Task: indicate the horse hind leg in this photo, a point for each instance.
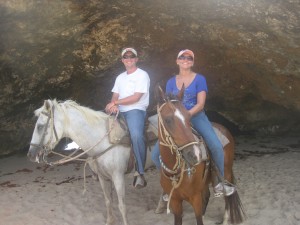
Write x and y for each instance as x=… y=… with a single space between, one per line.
x=107 y=191
x=162 y=205
x=205 y=200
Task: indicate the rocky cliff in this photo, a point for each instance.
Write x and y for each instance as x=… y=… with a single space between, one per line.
x=249 y=52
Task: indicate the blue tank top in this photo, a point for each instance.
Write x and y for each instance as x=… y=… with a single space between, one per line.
x=190 y=93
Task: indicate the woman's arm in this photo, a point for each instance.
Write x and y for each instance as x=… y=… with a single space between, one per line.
x=201 y=98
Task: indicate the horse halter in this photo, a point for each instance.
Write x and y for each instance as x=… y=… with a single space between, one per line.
x=169 y=142
x=46 y=148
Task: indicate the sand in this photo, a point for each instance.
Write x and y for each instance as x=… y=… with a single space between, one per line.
x=267 y=171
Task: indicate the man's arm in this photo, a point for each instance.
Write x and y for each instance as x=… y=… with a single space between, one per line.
x=130 y=99
x=112 y=107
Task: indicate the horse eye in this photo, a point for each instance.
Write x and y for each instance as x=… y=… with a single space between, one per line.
x=168 y=121
x=40 y=127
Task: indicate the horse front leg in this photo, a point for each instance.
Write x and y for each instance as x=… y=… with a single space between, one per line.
x=119 y=183
x=176 y=206
x=107 y=191
x=198 y=208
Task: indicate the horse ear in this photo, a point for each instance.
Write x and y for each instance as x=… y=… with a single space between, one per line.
x=47 y=104
x=181 y=93
x=160 y=95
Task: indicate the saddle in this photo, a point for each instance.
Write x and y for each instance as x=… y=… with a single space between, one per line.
x=119 y=134
x=203 y=148
x=118 y=131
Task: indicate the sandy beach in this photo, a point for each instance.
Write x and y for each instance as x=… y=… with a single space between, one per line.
x=267 y=170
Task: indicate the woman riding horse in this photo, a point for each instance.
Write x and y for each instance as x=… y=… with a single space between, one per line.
x=194 y=101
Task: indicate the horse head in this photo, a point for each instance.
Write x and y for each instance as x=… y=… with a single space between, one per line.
x=175 y=130
x=45 y=135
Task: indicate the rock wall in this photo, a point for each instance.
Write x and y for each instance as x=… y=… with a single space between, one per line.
x=248 y=50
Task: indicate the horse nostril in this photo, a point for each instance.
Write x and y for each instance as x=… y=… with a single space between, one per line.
x=30 y=155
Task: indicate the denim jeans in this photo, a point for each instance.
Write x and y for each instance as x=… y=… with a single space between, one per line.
x=136 y=123
x=203 y=126
x=155 y=155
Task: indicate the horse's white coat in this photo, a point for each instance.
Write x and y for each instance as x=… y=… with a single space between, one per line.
x=197 y=152
x=86 y=127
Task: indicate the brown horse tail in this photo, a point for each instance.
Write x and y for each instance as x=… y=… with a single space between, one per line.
x=234 y=207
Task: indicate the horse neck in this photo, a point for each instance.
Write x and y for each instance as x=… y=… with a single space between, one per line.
x=85 y=133
x=168 y=158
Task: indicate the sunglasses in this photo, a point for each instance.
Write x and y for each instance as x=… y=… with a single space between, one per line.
x=129 y=56
x=188 y=58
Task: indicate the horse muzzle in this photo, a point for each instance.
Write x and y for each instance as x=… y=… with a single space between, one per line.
x=35 y=153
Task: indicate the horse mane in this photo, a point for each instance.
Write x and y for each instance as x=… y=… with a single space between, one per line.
x=91 y=115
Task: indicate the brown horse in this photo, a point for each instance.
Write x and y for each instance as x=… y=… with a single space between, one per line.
x=184 y=175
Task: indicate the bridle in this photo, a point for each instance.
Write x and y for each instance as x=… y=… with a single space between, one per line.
x=177 y=172
x=46 y=148
x=168 y=141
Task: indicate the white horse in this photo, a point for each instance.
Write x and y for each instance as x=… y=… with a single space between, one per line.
x=88 y=128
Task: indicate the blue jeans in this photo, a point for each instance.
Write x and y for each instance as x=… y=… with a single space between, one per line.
x=136 y=123
x=203 y=126
x=155 y=155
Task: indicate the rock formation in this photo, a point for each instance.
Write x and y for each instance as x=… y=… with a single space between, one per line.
x=249 y=52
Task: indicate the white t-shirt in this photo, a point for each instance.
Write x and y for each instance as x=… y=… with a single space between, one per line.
x=127 y=84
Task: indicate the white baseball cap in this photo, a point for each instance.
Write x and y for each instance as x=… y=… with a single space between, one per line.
x=187 y=51
x=129 y=50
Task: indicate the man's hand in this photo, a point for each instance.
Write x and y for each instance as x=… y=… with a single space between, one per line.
x=111 y=108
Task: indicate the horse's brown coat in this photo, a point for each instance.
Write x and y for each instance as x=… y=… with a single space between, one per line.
x=194 y=188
